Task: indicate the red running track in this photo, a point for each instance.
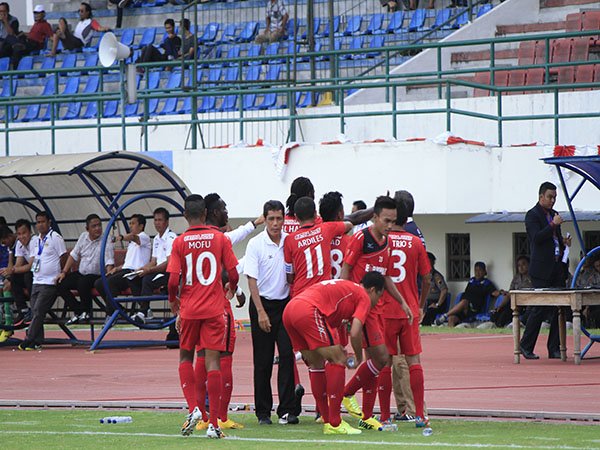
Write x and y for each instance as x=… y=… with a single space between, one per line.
x=462 y=371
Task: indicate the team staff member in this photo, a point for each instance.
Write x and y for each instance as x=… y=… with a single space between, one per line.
x=263 y=265
x=197 y=259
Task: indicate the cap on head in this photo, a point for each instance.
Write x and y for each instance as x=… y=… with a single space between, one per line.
x=38 y=9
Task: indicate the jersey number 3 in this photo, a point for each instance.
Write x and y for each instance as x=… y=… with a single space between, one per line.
x=399 y=265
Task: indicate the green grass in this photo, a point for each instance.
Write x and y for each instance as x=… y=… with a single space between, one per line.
x=73 y=429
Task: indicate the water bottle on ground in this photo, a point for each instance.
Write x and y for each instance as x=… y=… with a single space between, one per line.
x=389 y=426
x=427 y=431
x=351 y=362
x=116 y=419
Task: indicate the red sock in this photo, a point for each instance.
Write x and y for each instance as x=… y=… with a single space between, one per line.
x=318 y=384
x=296 y=374
x=335 y=374
x=200 y=374
x=365 y=372
x=227 y=387
x=417 y=384
x=213 y=385
x=385 y=392
x=188 y=385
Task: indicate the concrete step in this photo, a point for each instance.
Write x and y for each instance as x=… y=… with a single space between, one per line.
x=519 y=29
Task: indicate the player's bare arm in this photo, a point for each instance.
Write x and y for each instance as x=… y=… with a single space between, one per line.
x=356 y=340
x=346 y=271
x=361 y=216
x=263 y=319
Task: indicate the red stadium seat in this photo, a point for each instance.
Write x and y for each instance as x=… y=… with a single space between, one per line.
x=540 y=52
x=561 y=50
x=566 y=75
x=516 y=79
x=481 y=78
x=535 y=77
x=502 y=79
x=581 y=49
x=574 y=22
x=584 y=74
x=591 y=20
x=526 y=53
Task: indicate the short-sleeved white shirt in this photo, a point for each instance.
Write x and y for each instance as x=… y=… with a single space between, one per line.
x=264 y=262
x=26 y=251
x=52 y=247
x=138 y=255
x=87 y=253
x=162 y=245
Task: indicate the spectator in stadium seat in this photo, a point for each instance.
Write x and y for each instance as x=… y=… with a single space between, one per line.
x=138 y=255
x=9 y=30
x=438 y=292
x=474 y=298
x=276 y=20
x=35 y=40
x=85 y=254
x=168 y=50
x=187 y=45
x=154 y=275
x=502 y=315
x=84 y=31
x=20 y=274
x=49 y=258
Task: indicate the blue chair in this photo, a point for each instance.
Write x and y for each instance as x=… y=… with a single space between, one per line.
x=209 y=103
x=91 y=60
x=417 y=21
x=375 y=24
x=186 y=107
x=170 y=105
x=8 y=90
x=248 y=33
x=336 y=27
x=484 y=316
x=131 y=109
x=229 y=33
x=305 y=99
x=147 y=38
x=269 y=101
x=26 y=63
x=33 y=111
x=377 y=41
x=210 y=33
x=352 y=26
x=291 y=28
x=111 y=108
x=128 y=37
x=356 y=44
x=461 y=20
x=316 y=26
x=441 y=18
x=396 y=23
x=230 y=101
x=233 y=52
x=252 y=74
x=254 y=51
x=69 y=61
x=48 y=63
x=152 y=83
x=4 y=64
x=273 y=50
x=74 y=109
x=484 y=9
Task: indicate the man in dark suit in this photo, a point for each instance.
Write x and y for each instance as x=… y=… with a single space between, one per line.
x=546 y=268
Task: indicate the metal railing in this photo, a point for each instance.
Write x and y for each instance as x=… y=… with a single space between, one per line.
x=445 y=80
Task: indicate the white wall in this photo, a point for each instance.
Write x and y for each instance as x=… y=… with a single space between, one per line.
x=22 y=10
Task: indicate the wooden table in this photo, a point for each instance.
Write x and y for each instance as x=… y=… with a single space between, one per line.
x=576 y=299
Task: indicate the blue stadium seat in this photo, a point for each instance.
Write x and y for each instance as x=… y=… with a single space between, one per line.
x=33 y=111
x=170 y=104
x=248 y=33
x=375 y=24
x=152 y=83
x=4 y=64
x=69 y=61
x=233 y=52
x=253 y=51
x=304 y=99
x=131 y=109
x=273 y=50
x=291 y=28
x=91 y=87
x=8 y=90
x=269 y=101
x=252 y=74
x=91 y=60
x=47 y=63
x=377 y=41
x=356 y=44
x=441 y=18
x=417 y=21
x=291 y=47
x=128 y=36
x=210 y=33
x=229 y=33
x=396 y=23
x=26 y=63
x=147 y=38
x=483 y=9
x=111 y=108
x=209 y=103
x=186 y=107
x=230 y=101
x=352 y=26
x=336 y=27
x=316 y=26
x=72 y=108
x=461 y=20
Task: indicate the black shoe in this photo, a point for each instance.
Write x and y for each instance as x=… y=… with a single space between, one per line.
x=298 y=393
x=404 y=418
x=554 y=355
x=527 y=354
x=289 y=419
x=265 y=421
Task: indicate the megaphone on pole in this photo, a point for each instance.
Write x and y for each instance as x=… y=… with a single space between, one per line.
x=111 y=50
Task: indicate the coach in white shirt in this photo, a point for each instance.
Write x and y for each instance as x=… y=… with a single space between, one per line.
x=48 y=259
x=154 y=274
x=263 y=265
x=86 y=253
x=138 y=255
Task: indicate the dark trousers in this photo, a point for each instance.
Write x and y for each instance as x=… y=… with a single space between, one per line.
x=537 y=314
x=263 y=351
x=20 y=282
x=430 y=313
x=149 y=284
x=43 y=297
x=83 y=284
x=22 y=48
x=151 y=54
x=116 y=284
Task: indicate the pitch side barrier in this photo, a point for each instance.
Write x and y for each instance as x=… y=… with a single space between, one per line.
x=588 y=167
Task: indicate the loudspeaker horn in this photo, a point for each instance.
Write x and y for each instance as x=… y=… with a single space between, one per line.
x=111 y=50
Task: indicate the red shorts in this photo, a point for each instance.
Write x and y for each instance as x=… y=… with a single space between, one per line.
x=373 y=331
x=307 y=327
x=200 y=334
x=230 y=330
x=399 y=330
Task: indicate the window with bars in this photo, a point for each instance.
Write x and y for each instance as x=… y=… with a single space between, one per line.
x=458 y=256
x=520 y=245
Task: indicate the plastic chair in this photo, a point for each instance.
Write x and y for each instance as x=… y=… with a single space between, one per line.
x=131 y=109
x=254 y=51
x=252 y=74
x=356 y=44
x=377 y=41
x=353 y=26
x=417 y=21
x=272 y=50
x=72 y=108
x=210 y=33
x=396 y=22
x=484 y=9
x=26 y=63
x=147 y=38
x=316 y=26
x=8 y=90
x=336 y=27
x=209 y=103
x=229 y=33
x=128 y=36
x=33 y=111
x=170 y=104
x=4 y=64
x=269 y=101
x=248 y=33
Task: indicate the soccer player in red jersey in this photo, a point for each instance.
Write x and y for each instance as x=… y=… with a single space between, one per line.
x=301 y=187
x=197 y=258
x=307 y=250
x=408 y=260
x=369 y=251
x=331 y=209
x=312 y=319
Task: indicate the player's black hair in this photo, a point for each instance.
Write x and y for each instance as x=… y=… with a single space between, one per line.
x=383 y=202
x=373 y=279
x=330 y=205
x=91 y=217
x=3 y=221
x=359 y=205
x=170 y=21
x=23 y=223
x=88 y=8
x=140 y=219
x=194 y=206
x=186 y=24
x=546 y=186
x=431 y=257
x=212 y=202
x=481 y=265
x=401 y=212
x=162 y=211
x=42 y=214
x=273 y=205
x=301 y=187
x=407 y=199
x=522 y=257
x=5 y=232
x=305 y=209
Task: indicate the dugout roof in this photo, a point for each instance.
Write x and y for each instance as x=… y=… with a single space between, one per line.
x=72 y=186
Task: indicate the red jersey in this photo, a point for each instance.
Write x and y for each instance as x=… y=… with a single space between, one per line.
x=291 y=225
x=339 y=244
x=366 y=254
x=338 y=301
x=307 y=254
x=199 y=255
x=408 y=259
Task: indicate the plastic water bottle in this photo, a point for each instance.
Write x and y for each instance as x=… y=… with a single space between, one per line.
x=116 y=419
x=427 y=432
x=388 y=426
x=351 y=362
